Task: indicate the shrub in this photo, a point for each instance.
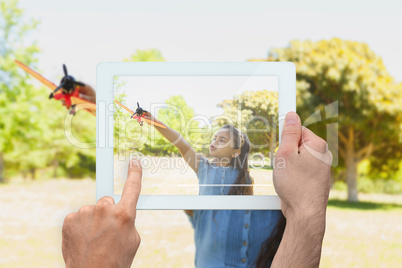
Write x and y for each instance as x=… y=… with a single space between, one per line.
x=340 y=186
x=365 y=185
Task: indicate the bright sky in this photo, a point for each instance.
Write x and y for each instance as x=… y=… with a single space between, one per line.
x=84 y=33
x=202 y=93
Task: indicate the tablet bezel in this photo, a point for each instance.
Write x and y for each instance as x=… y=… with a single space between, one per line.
x=286 y=73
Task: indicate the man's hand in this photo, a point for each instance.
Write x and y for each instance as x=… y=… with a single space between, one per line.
x=301 y=179
x=302 y=170
x=104 y=235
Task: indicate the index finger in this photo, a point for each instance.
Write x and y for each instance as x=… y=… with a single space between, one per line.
x=132 y=187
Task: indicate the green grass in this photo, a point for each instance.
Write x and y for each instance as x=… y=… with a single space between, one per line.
x=362 y=205
x=363 y=234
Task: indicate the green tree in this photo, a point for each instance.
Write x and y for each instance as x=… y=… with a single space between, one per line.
x=32 y=130
x=53 y=142
x=128 y=134
x=146 y=55
x=176 y=115
x=73 y=144
x=258 y=112
x=18 y=105
x=370 y=111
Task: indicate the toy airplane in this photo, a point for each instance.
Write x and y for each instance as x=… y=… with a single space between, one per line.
x=139 y=115
x=67 y=91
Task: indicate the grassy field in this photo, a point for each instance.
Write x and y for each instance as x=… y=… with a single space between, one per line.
x=368 y=234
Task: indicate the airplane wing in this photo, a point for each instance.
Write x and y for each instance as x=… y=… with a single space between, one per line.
x=124 y=107
x=149 y=121
x=152 y=123
x=39 y=77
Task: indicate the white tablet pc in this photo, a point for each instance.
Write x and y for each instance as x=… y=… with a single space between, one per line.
x=195 y=100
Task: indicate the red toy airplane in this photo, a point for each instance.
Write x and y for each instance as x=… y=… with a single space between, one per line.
x=69 y=89
x=139 y=115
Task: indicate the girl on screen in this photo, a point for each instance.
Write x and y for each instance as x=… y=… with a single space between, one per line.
x=228 y=238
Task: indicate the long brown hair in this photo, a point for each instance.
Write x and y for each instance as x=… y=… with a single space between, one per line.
x=241 y=163
x=270 y=246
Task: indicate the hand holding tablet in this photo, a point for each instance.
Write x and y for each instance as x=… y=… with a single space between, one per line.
x=302 y=170
x=257 y=92
x=193 y=91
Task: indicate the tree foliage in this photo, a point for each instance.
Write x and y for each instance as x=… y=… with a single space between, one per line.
x=370 y=111
x=146 y=55
x=177 y=115
x=32 y=130
x=129 y=136
x=18 y=122
x=255 y=113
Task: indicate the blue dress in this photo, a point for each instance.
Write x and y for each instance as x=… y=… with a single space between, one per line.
x=227 y=238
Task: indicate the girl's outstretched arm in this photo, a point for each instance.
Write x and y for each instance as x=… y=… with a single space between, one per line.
x=189 y=154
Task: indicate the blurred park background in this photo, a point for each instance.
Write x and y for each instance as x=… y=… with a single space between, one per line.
x=345 y=53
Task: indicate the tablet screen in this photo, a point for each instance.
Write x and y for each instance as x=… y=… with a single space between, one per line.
x=198 y=108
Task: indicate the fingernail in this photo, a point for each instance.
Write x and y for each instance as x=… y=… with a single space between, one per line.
x=134 y=162
x=291 y=118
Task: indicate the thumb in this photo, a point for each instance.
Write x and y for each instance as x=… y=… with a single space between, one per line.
x=291 y=133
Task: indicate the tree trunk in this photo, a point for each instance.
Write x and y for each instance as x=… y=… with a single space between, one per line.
x=351 y=172
x=1 y=168
x=33 y=171
x=55 y=166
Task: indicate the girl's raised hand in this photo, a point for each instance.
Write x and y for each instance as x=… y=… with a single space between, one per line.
x=87 y=93
x=149 y=116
